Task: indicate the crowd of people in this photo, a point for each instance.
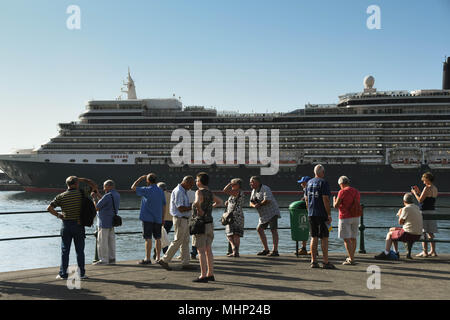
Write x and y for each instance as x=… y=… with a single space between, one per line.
x=161 y=210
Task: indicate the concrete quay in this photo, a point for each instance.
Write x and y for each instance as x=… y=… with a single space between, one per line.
x=246 y=278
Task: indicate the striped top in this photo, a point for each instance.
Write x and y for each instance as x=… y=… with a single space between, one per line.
x=70 y=203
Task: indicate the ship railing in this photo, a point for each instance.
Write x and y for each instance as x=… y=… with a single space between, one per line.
x=362 y=227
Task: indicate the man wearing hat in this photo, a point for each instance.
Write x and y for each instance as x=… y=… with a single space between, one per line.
x=303 y=181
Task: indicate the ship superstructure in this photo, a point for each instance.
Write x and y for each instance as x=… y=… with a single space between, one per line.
x=382 y=140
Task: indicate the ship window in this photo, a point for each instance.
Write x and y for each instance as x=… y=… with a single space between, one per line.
x=104 y=160
x=124 y=160
x=85 y=160
x=72 y=160
x=47 y=160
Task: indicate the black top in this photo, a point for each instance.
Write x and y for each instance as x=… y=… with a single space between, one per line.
x=206 y=205
x=428 y=204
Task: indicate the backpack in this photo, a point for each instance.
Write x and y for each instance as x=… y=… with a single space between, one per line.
x=88 y=211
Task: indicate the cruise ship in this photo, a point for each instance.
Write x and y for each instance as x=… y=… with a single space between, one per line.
x=382 y=140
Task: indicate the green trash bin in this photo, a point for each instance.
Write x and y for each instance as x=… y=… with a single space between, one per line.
x=299 y=222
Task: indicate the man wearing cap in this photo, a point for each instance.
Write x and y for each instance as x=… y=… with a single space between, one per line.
x=303 y=181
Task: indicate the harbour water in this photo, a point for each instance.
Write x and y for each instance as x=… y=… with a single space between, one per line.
x=39 y=253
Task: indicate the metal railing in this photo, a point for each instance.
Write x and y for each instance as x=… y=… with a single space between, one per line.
x=362 y=226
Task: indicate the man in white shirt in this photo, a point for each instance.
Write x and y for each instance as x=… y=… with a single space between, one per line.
x=411 y=219
x=180 y=209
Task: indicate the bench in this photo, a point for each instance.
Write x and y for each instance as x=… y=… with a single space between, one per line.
x=435 y=216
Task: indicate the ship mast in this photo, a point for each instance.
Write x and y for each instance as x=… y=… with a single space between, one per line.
x=131 y=88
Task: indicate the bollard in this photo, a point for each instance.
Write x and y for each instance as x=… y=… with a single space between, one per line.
x=362 y=248
x=96 y=250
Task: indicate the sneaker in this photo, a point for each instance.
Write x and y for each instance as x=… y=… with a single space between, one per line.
x=273 y=254
x=263 y=253
x=84 y=277
x=382 y=256
x=96 y=263
x=59 y=277
x=143 y=262
x=165 y=265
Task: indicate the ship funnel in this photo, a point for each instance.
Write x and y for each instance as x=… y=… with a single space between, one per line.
x=446 y=75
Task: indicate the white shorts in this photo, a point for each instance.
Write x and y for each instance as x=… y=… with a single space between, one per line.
x=348 y=228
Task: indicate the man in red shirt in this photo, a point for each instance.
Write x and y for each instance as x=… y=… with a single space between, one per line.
x=348 y=204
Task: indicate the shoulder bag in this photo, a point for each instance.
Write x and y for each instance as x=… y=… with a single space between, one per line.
x=196 y=226
x=228 y=217
x=117 y=220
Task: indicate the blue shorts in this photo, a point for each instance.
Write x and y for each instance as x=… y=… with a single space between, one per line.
x=151 y=229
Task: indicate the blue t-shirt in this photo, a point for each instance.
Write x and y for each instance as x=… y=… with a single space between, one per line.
x=153 y=200
x=315 y=189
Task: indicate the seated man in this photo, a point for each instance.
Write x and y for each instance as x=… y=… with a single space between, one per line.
x=411 y=219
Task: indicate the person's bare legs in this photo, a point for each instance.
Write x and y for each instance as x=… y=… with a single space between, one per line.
x=313 y=247
x=148 y=249
x=432 y=245
x=263 y=238
x=158 y=249
x=348 y=243
x=354 y=246
x=424 y=252
x=324 y=245
x=203 y=263
x=388 y=241
x=275 y=239
x=209 y=261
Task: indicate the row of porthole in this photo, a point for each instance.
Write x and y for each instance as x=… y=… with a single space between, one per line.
x=97 y=160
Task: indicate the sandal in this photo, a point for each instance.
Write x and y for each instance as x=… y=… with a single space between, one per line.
x=434 y=254
x=348 y=262
x=263 y=253
x=273 y=254
x=328 y=266
x=314 y=265
x=422 y=254
x=145 y=262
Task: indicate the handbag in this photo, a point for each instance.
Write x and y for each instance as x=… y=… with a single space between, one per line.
x=196 y=226
x=228 y=217
x=117 y=220
x=164 y=238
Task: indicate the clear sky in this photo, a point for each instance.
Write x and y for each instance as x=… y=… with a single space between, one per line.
x=246 y=55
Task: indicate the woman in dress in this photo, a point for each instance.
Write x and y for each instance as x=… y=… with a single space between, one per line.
x=235 y=230
x=204 y=202
x=427 y=200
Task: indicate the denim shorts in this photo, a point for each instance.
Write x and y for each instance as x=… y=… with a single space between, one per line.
x=151 y=229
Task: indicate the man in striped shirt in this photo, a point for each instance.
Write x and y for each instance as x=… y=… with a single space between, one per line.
x=70 y=203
